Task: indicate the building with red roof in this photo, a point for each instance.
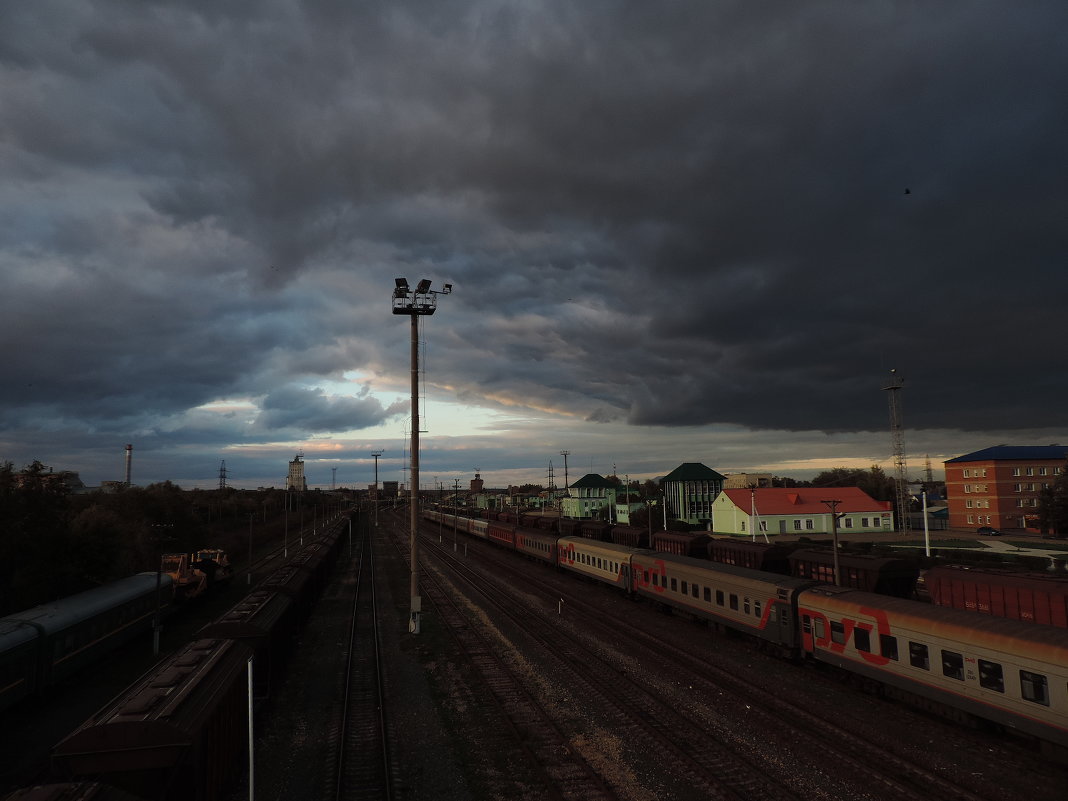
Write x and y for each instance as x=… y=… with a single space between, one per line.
x=799 y=510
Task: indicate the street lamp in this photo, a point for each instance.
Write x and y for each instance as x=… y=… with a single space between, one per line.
x=423 y=301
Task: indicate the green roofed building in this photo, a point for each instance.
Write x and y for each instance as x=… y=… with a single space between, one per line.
x=689 y=491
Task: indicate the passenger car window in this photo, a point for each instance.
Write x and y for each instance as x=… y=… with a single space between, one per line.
x=918 y=656
x=990 y=676
x=1033 y=687
x=888 y=646
x=953 y=665
x=837 y=632
x=862 y=639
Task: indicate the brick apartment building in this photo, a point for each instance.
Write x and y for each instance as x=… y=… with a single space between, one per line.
x=1000 y=486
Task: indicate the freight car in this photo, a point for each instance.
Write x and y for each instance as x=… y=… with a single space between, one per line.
x=175 y=734
x=882 y=574
x=1030 y=597
x=682 y=543
x=754 y=555
x=46 y=644
x=265 y=619
x=634 y=536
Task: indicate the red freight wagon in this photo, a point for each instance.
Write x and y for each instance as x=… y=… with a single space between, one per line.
x=1020 y=596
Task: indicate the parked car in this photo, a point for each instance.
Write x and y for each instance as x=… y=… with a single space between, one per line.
x=988 y=531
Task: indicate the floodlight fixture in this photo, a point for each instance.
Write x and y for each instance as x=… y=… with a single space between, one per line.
x=423 y=288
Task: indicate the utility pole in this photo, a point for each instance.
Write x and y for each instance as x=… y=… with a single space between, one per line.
x=376 y=454
x=833 y=506
x=897 y=441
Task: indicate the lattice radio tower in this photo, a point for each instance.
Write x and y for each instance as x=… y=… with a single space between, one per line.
x=897 y=441
x=222 y=474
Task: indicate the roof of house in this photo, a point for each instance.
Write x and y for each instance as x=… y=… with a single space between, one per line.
x=592 y=481
x=1014 y=452
x=692 y=471
x=805 y=500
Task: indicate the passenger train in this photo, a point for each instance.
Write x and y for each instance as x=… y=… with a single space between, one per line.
x=1010 y=673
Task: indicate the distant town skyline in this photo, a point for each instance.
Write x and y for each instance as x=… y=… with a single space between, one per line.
x=695 y=232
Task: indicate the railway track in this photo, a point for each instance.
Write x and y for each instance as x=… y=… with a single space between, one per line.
x=533 y=734
x=639 y=715
x=363 y=765
x=876 y=765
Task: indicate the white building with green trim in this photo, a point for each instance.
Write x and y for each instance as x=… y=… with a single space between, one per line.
x=586 y=497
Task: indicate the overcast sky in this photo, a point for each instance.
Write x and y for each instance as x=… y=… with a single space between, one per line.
x=676 y=232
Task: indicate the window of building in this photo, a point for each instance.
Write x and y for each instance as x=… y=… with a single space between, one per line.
x=968 y=503
x=1017 y=487
x=847 y=522
x=1030 y=471
x=918 y=657
x=734 y=602
x=1042 y=471
x=990 y=676
x=967 y=473
x=970 y=519
x=984 y=472
x=864 y=522
x=1016 y=471
x=809 y=525
x=1034 y=687
x=797 y=525
x=763 y=525
x=953 y=665
x=967 y=487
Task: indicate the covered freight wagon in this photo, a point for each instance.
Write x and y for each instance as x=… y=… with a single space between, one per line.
x=1030 y=597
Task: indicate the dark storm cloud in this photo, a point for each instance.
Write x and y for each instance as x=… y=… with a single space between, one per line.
x=674 y=214
x=297 y=409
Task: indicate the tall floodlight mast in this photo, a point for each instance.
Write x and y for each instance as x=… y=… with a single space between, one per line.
x=422 y=301
x=897 y=441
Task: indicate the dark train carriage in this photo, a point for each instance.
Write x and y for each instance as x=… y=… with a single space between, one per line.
x=885 y=575
x=537 y=544
x=754 y=555
x=501 y=533
x=19 y=649
x=79 y=629
x=634 y=536
x=294 y=581
x=595 y=530
x=71 y=791
x=569 y=527
x=267 y=621
x=1030 y=597
x=682 y=543
x=179 y=732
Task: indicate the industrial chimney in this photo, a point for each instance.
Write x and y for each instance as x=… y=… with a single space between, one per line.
x=129 y=460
